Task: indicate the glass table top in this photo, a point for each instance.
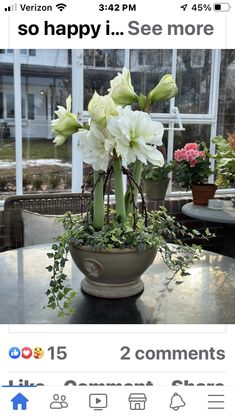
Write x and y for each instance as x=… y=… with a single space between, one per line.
x=206 y=296
x=224 y=215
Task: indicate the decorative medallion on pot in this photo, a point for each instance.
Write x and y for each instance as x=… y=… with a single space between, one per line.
x=113 y=246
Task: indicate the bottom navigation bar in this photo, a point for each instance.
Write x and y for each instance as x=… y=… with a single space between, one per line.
x=148 y=401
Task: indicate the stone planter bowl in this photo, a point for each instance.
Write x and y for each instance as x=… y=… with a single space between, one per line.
x=114 y=273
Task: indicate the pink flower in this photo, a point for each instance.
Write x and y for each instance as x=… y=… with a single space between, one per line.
x=202 y=154
x=191 y=146
x=179 y=155
x=190 y=153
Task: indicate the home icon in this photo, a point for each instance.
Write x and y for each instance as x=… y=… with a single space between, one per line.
x=19 y=401
x=137 y=401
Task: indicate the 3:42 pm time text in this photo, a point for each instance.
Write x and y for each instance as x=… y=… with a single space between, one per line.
x=117 y=7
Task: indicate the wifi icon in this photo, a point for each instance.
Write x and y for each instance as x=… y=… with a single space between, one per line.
x=61 y=6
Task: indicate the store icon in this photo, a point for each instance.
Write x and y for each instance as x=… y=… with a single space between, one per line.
x=137 y=401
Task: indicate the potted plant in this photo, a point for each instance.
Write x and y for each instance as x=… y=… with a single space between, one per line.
x=192 y=172
x=113 y=246
x=156 y=180
x=225 y=160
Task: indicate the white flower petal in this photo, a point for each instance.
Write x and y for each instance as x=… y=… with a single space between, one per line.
x=101 y=108
x=122 y=90
x=133 y=131
x=95 y=148
x=69 y=103
x=154 y=156
x=66 y=123
x=59 y=139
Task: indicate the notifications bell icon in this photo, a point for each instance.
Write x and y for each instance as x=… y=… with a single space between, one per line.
x=176 y=402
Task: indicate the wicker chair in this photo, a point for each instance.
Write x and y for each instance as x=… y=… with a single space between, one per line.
x=50 y=204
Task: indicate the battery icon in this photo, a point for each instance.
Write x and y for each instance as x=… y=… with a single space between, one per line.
x=222 y=7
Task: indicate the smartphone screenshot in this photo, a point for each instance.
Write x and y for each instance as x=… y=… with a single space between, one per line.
x=117 y=208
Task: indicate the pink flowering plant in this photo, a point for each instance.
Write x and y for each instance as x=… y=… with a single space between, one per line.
x=192 y=164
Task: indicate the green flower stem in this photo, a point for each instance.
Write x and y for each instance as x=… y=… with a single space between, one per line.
x=98 y=211
x=145 y=106
x=119 y=193
x=137 y=177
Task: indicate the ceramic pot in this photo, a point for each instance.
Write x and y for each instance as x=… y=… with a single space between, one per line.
x=202 y=193
x=156 y=190
x=114 y=273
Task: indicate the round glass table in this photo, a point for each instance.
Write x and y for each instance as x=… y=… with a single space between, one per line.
x=225 y=216
x=206 y=296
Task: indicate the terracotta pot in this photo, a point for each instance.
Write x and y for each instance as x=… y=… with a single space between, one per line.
x=114 y=273
x=202 y=193
x=156 y=190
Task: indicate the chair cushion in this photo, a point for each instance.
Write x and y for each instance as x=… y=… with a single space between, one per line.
x=40 y=229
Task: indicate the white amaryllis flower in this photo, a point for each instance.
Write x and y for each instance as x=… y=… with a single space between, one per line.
x=122 y=91
x=165 y=89
x=66 y=124
x=101 y=108
x=136 y=136
x=95 y=147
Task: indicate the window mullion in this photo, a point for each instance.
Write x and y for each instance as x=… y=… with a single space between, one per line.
x=170 y=142
x=77 y=107
x=173 y=70
x=127 y=58
x=214 y=100
x=18 y=121
x=127 y=65
x=215 y=78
